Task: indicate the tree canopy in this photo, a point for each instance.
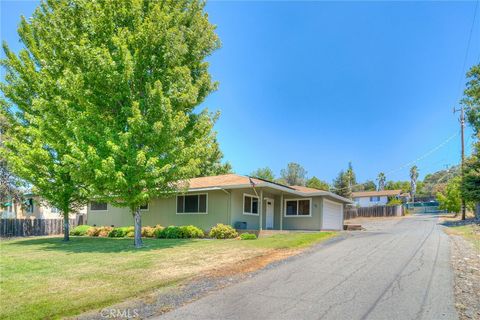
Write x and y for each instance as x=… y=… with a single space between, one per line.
x=294 y=174
x=342 y=185
x=119 y=82
x=316 y=183
x=264 y=173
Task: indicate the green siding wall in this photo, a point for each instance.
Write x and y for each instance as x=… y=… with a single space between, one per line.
x=163 y=211
x=304 y=223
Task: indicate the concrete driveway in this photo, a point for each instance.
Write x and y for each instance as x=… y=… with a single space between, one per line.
x=397 y=269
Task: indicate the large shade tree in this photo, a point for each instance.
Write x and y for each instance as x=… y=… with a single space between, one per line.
x=126 y=77
x=35 y=108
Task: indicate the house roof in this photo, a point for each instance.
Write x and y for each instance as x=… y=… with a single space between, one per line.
x=224 y=180
x=305 y=189
x=388 y=193
x=235 y=181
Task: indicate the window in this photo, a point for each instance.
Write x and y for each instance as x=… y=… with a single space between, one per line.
x=98 y=206
x=29 y=204
x=54 y=210
x=144 y=207
x=297 y=207
x=250 y=204
x=374 y=199
x=195 y=203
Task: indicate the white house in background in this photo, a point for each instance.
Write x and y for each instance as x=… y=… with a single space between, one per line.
x=33 y=207
x=374 y=198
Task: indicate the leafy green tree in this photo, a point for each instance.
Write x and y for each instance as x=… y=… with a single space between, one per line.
x=281 y=181
x=381 y=181
x=294 y=174
x=351 y=176
x=34 y=116
x=212 y=165
x=396 y=185
x=470 y=187
x=11 y=187
x=264 y=173
x=316 y=183
x=369 y=185
x=413 y=181
x=471 y=98
x=118 y=82
x=471 y=181
x=342 y=186
x=451 y=199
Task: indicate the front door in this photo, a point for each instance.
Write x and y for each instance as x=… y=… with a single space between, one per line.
x=269 y=214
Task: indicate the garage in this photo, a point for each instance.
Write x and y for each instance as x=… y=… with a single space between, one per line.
x=332 y=215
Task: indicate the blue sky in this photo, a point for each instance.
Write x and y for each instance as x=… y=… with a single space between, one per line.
x=325 y=83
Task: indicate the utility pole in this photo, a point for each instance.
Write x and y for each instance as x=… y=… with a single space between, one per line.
x=462 y=128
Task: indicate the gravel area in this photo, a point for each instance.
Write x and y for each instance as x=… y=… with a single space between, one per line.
x=466 y=265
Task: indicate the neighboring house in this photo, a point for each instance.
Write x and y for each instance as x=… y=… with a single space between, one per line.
x=33 y=207
x=240 y=201
x=374 y=198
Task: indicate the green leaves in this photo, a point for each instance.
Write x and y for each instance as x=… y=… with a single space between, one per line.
x=105 y=93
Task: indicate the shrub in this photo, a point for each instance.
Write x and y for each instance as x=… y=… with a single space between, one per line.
x=394 y=202
x=104 y=231
x=120 y=232
x=221 y=231
x=93 y=232
x=191 y=232
x=148 y=232
x=131 y=234
x=248 y=236
x=170 y=232
x=175 y=232
x=79 y=230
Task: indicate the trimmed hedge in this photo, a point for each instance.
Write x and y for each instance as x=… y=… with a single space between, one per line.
x=222 y=231
x=180 y=232
x=248 y=236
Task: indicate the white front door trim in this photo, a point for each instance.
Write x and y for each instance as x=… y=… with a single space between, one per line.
x=269 y=213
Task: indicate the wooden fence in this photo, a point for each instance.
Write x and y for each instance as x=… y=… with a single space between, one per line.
x=376 y=211
x=32 y=227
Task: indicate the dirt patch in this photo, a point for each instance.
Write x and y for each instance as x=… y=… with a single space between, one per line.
x=466 y=266
x=253 y=264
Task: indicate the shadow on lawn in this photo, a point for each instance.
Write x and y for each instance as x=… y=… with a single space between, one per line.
x=99 y=245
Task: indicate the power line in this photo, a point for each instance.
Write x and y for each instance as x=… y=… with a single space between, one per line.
x=462 y=75
x=427 y=154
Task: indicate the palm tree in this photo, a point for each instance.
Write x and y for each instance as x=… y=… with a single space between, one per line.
x=381 y=181
x=413 y=181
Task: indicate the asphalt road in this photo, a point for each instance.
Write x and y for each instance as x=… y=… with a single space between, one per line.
x=397 y=269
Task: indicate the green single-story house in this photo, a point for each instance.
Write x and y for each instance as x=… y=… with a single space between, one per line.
x=240 y=201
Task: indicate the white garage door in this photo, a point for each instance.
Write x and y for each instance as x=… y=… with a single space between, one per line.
x=332 y=215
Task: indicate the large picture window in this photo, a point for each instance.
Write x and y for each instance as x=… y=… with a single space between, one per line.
x=250 y=204
x=98 y=206
x=297 y=207
x=195 y=203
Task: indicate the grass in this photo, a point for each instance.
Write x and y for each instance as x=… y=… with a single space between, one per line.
x=470 y=232
x=45 y=278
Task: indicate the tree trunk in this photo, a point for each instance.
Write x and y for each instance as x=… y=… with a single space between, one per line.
x=477 y=211
x=66 y=226
x=138 y=228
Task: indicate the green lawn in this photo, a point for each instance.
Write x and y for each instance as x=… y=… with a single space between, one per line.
x=45 y=278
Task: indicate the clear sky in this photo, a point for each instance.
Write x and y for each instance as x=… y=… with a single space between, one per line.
x=325 y=83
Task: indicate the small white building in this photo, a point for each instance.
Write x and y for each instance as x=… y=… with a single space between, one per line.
x=374 y=198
